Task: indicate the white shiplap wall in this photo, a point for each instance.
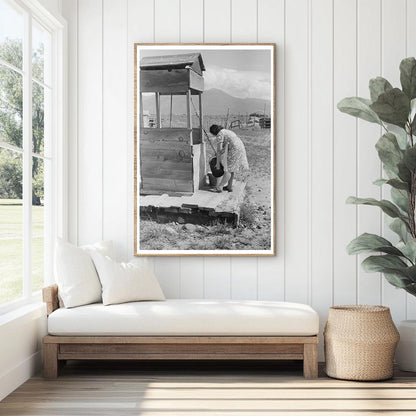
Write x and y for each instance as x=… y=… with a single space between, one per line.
x=326 y=50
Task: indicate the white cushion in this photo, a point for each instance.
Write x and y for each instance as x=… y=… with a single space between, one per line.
x=126 y=282
x=183 y=317
x=75 y=273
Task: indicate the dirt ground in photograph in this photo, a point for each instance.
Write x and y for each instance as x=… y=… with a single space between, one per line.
x=254 y=230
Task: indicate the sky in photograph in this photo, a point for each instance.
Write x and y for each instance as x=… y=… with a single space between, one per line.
x=241 y=73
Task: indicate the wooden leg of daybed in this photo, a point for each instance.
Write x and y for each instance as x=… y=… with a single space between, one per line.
x=50 y=360
x=310 y=360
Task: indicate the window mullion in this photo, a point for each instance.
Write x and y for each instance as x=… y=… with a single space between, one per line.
x=27 y=157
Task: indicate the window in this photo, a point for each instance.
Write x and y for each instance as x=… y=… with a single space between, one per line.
x=30 y=148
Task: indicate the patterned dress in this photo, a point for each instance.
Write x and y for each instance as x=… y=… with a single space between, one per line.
x=236 y=156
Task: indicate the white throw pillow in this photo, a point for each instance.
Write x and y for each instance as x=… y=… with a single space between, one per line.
x=75 y=273
x=126 y=282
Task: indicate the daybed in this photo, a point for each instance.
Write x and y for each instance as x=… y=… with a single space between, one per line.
x=181 y=329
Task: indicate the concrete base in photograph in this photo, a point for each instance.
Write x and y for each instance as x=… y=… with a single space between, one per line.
x=200 y=207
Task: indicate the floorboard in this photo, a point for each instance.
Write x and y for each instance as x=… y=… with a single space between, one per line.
x=206 y=388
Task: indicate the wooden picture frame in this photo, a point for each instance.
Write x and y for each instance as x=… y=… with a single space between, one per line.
x=180 y=207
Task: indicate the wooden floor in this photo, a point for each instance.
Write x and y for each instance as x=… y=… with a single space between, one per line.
x=223 y=389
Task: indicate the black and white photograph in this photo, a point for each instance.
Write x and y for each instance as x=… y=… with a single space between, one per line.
x=204 y=149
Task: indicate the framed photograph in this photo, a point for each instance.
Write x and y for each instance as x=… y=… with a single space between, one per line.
x=204 y=149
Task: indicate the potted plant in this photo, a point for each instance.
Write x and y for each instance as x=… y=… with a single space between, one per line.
x=394 y=109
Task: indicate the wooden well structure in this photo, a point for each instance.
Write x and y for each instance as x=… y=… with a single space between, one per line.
x=172 y=159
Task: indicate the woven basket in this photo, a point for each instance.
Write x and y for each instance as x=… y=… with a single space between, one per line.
x=360 y=342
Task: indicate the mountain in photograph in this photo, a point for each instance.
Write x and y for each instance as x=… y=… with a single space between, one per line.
x=214 y=102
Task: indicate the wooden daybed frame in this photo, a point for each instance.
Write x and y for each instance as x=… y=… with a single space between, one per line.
x=58 y=349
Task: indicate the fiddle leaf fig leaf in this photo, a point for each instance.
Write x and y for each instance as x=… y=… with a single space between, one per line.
x=359 y=107
x=388 y=207
x=366 y=243
x=400 y=228
x=410 y=272
x=395 y=270
x=404 y=173
x=411 y=289
x=381 y=263
x=397 y=280
x=378 y=86
x=402 y=139
x=408 y=249
x=380 y=182
x=398 y=184
x=389 y=151
x=408 y=77
x=400 y=198
x=412 y=109
x=414 y=126
x=410 y=158
x=392 y=107
x=395 y=183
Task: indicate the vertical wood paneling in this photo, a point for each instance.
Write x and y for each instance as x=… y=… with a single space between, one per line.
x=217 y=19
x=90 y=92
x=321 y=34
x=114 y=124
x=167 y=30
x=345 y=152
x=271 y=29
x=393 y=51
x=411 y=51
x=296 y=152
x=140 y=30
x=192 y=30
x=244 y=278
x=244 y=21
x=217 y=28
x=319 y=62
x=244 y=29
x=70 y=11
x=192 y=278
x=192 y=21
x=168 y=272
x=167 y=21
x=369 y=168
x=217 y=278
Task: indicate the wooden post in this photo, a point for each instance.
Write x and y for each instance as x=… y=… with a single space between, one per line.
x=200 y=113
x=310 y=360
x=158 y=115
x=50 y=360
x=170 y=113
x=141 y=111
x=203 y=156
x=188 y=109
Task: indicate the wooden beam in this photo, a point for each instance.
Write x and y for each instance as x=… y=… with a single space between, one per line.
x=164 y=81
x=50 y=297
x=196 y=81
x=158 y=114
x=200 y=112
x=188 y=109
x=173 y=356
x=57 y=339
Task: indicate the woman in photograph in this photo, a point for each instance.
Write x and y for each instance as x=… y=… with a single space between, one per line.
x=231 y=153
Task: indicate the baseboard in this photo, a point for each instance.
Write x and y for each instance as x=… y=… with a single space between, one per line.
x=11 y=379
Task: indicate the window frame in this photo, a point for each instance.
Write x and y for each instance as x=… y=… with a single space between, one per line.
x=57 y=225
